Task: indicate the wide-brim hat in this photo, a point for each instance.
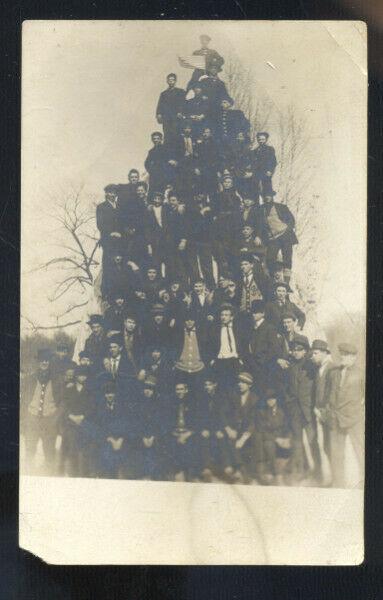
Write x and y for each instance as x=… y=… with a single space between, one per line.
x=300 y=340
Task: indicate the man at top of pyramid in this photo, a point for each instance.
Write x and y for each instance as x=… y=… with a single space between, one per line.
x=202 y=60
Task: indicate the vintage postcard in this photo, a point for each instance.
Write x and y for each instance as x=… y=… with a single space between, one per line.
x=193 y=292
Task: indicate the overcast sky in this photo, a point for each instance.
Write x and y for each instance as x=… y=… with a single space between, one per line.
x=89 y=94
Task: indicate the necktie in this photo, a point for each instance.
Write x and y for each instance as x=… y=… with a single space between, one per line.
x=229 y=338
x=114 y=366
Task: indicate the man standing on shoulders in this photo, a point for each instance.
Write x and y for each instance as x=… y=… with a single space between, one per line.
x=278 y=225
x=321 y=357
x=40 y=412
x=169 y=109
x=346 y=412
x=108 y=218
x=281 y=306
x=264 y=163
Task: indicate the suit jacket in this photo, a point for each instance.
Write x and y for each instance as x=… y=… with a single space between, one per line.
x=215 y=90
x=321 y=388
x=272 y=424
x=264 y=347
x=300 y=390
x=230 y=123
x=264 y=160
x=154 y=233
x=211 y=412
x=96 y=347
x=208 y=156
x=130 y=206
x=345 y=398
x=275 y=312
x=238 y=417
x=108 y=220
x=285 y=216
x=260 y=280
x=170 y=103
x=214 y=339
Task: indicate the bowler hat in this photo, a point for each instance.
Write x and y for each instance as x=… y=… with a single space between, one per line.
x=246 y=378
x=283 y=284
x=43 y=354
x=95 y=319
x=320 y=345
x=246 y=256
x=346 y=348
x=115 y=339
x=289 y=315
x=258 y=306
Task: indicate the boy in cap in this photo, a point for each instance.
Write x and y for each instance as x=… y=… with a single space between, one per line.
x=239 y=421
x=40 y=412
x=273 y=440
x=346 y=412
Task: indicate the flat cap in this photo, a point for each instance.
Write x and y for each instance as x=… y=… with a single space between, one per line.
x=320 y=345
x=246 y=378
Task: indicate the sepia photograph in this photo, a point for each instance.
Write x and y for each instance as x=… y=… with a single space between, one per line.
x=193 y=277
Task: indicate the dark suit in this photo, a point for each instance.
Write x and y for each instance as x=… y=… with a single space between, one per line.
x=271 y=423
x=197 y=107
x=208 y=156
x=108 y=219
x=230 y=123
x=346 y=417
x=157 y=235
x=263 y=351
x=200 y=244
x=157 y=165
x=130 y=206
x=276 y=311
x=240 y=415
x=284 y=242
x=170 y=103
x=216 y=451
x=264 y=161
x=96 y=347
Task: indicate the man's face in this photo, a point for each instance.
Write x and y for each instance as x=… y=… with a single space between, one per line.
x=204 y=41
x=210 y=387
x=81 y=379
x=157 y=140
x=119 y=302
x=117 y=260
x=130 y=325
x=141 y=192
x=43 y=365
x=258 y=316
x=171 y=81
x=247 y=231
x=298 y=353
x=69 y=375
x=271 y=402
x=175 y=286
x=246 y=267
x=278 y=275
x=96 y=328
x=173 y=202
x=227 y=183
x=158 y=319
x=231 y=287
x=165 y=297
x=133 y=177
x=157 y=200
x=226 y=317
x=248 y=202
x=288 y=325
x=213 y=71
x=197 y=91
x=189 y=323
x=225 y=105
x=110 y=196
x=115 y=349
x=84 y=361
x=243 y=387
x=181 y=390
x=240 y=136
x=347 y=360
x=199 y=287
x=110 y=396
x=318 y=357
x=156 y=355
x=148 y=392
x=281 y=293
x=261 y=139
x=206 y=134
x=152 y=274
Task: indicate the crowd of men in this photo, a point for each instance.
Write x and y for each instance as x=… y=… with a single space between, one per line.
x=198 y=368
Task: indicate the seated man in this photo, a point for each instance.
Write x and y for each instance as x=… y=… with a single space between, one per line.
x=169 y=109
x=182 y=459
x=239 y=421
x=196 y=111
x=247 y=243
x=273 y=440
x=230 y=123
x=108 y=427
x=211 y=58
x=264 y=163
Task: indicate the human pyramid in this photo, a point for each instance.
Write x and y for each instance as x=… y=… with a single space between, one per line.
x=198 y=369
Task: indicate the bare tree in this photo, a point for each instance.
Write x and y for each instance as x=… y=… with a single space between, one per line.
x=294 y=173
x=75 y=264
